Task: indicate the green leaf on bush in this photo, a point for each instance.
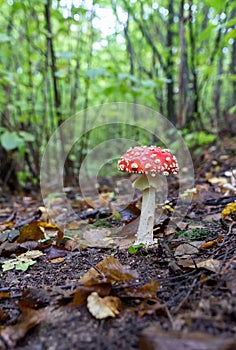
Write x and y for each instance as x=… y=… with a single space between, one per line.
x=27 y=136
x=10 y=140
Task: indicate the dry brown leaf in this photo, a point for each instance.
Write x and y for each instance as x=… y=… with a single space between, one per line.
x=57 y=260
x=209 y=264
x=81 y=293
x=35 y=231
x=218 y=180
x=54 y=252
x=74 y=225
x=148 y=307
x=107 y=271
x=100 y=238
x=147 y=291
x=6 y=225
x=31 y=232
x=4 y=295
x=130 y=229
x=186 y=249
x=102 y=308
x=72 y=245
x=156 y=339
x=29 y=319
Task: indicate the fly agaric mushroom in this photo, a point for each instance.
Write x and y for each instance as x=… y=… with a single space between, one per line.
x=149 y=162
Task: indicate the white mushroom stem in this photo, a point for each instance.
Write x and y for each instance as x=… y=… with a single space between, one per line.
x=146 y=222
x=148 y=184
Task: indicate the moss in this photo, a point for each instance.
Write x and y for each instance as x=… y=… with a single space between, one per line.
x=193 y=234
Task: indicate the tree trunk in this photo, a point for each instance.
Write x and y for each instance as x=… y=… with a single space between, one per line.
x=233 y=62
x=195 y=88
x=180 y=115
x=171 y=113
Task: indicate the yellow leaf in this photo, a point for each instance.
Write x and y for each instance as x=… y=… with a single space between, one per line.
x=103 y=307
x=228 y=210
x=210 y=244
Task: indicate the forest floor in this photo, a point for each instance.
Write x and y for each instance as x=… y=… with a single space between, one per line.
x=94 y=292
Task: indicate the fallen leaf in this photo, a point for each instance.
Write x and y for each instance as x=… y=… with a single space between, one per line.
x=74 y=225
x=57 y=260
x=82 y=292
x=97 y=238
x=34 y=298
x=210 y=244
x=229 y=211
x=31 y=232
x=72 y=245
x=149 y=306
x=22 y=262
x=130 y=229
x=39 y=230
x=218 y=180
x=147 y=291
x=54 y=252
x=210 y=264
x=47 y=225
x=29 y=319
x=111 y=270
x=6 y=225
x=130 y=213
x=102 y=308
x=186 y=249
x=4 y=295
x=156 y=339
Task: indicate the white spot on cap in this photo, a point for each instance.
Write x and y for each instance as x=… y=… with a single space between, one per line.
x=168 y=159
x=134 y=166
x=157 y=161
x=148 y=165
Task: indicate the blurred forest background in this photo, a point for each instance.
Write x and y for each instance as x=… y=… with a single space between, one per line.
x=59 y=57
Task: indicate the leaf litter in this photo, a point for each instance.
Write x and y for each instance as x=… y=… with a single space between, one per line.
x=89 y=275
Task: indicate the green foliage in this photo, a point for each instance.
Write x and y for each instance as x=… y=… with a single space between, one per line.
x=135 y=248
x=198 y=138
x=15 y=140
x=10 y=140
x=96 y=62
x=16 y=264
x=193 y=234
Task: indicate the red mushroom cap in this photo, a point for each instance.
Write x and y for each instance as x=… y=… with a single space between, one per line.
x=148 y=160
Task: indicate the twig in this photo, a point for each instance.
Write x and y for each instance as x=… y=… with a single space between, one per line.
x=230 y=229
x=97 y=269
x=183 y=301
x=10 y=218
x=35 y=216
